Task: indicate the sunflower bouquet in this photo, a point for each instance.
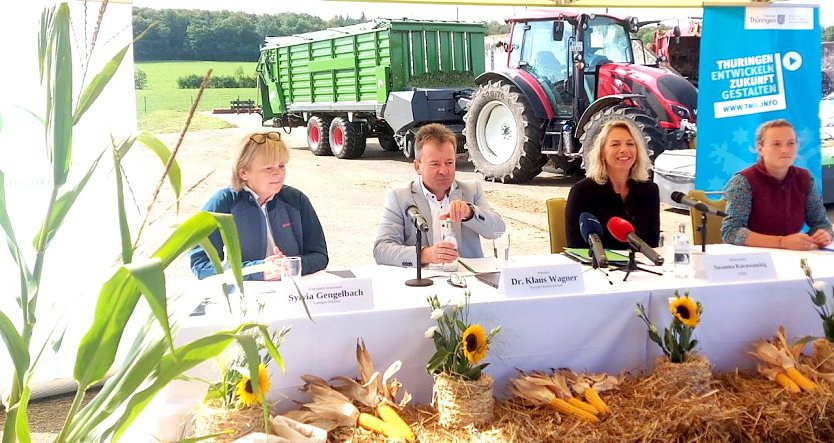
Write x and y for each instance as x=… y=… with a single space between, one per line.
x=677 y=342
x=461 y=393
x=461 y=345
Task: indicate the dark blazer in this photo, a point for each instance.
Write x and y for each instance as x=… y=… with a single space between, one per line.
x=641 y=208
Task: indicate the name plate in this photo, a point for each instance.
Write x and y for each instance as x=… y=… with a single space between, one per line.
x=343 y=295
x=748 y=266
x=537 y=281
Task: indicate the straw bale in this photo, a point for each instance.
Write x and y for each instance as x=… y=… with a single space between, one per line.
x=739 y=407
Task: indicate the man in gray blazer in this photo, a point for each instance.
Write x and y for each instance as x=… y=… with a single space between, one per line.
x=438 y=196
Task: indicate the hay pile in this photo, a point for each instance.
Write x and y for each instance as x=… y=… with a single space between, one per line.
x=739 y=407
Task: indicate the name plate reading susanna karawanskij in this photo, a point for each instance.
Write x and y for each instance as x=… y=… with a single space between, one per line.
x=344 y=295
x=537 y=281
x=746 y=266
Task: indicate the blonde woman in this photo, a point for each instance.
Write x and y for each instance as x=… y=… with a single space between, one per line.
x=616 y=185
x=273 y=220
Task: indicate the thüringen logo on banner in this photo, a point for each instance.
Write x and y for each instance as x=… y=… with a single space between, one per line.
x=779 y=18
x=757 y=63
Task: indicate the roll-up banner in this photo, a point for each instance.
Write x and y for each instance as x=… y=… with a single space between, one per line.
x=757 y=63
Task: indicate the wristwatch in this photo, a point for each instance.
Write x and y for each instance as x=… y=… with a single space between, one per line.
x=471 y=208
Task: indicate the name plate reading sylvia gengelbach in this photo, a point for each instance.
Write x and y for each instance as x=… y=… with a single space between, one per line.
x=344 y=295
x=537 y=281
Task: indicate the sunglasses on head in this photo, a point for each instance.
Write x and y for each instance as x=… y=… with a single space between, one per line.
x=261 y=138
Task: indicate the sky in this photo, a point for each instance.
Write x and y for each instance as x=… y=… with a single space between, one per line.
x=327 y=9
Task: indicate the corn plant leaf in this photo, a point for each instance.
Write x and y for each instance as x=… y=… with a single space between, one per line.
x=11 y=241
x=138 y=366
x=250 y=350
x=98 y=83
x=22 y=419
x=214 y=257
x=124 y=228
x=273 y=349
x=157 y=147
x=151 y=280
x=47 y=17
x=59 y=96
x=116 y=303
x=58 y=212
x=169 y=368
x=192 y=231
x=18 y=351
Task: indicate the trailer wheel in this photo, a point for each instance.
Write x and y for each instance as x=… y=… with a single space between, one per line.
x=652 y=133
x=345 y=139
x=317 y=138
x=503 y=136
x=387 y=142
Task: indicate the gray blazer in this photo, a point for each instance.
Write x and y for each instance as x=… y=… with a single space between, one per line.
x=396 y=235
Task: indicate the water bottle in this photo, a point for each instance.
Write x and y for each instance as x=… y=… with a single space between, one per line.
x=683 y=267
x=667 y=251
x=449 y=236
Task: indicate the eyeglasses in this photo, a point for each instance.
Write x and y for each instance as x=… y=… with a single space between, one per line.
x=456 y=281
x=261 y=138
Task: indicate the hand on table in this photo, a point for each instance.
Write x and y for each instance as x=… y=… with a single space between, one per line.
x=273 y=264
x=821 y=237
x=442 y=252
x=799 y=242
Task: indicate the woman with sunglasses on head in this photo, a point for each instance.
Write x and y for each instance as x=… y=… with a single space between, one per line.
x=273 y=220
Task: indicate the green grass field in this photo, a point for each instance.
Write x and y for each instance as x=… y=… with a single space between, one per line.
x=162 y=102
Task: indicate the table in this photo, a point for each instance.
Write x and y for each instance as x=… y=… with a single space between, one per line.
x=596 y=330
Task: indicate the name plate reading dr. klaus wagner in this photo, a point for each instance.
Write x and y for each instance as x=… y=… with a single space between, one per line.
x=345 y=295
x=536 y=281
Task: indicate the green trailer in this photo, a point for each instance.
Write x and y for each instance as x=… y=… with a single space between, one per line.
x=341 y=83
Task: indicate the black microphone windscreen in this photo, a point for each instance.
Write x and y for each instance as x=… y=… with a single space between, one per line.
x=588 y=224
x=677 y=196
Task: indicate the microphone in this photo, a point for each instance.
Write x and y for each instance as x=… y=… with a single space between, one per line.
x=623 y=231
x=417 y=218
x=680 y=197
x=591 y=230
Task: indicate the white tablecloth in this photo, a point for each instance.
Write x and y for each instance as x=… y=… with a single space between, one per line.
x=595 y=331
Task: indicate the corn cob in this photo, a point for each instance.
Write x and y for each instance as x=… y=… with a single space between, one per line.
x=799 y=379
x=582 y=405
x=390 y=416
x=374 y=424
x=787 y=383
x=592 y=397
x=566 y=408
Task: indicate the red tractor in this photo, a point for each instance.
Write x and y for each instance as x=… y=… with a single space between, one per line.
x=568 y=73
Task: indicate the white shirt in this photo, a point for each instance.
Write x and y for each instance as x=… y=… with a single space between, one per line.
x=437 y=207
x=270 y=242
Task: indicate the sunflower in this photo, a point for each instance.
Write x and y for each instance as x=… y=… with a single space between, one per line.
x=244 y=389
x=685 y=310
x=474 y=343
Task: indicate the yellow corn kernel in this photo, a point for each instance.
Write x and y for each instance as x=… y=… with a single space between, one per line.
x=592 y=397
x=566 y=408
x=787 y=383
x=389 y=415
x=373 y=424
x=801 y=380
x=582 y=405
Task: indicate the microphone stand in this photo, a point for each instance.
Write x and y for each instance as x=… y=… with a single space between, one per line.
x=632 y=266
x=419 y=281
x=703 y=230
x=595 y=265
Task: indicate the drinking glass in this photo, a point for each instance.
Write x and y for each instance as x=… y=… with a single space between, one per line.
x=501 y=249
x=291 y=267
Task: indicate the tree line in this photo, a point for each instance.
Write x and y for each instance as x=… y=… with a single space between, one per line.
x=176 y=34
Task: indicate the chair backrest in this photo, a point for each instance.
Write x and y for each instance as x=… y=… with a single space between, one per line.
x=713 y=222
x=556 y=224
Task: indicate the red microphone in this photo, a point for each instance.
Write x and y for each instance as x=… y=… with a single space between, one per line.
x=623 y=231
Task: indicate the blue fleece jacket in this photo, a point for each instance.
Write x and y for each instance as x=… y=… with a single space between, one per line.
x=251 y=227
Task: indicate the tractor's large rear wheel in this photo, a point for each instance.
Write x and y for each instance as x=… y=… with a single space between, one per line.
x=503 y=136
x=317 y=135
x=652 y=133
